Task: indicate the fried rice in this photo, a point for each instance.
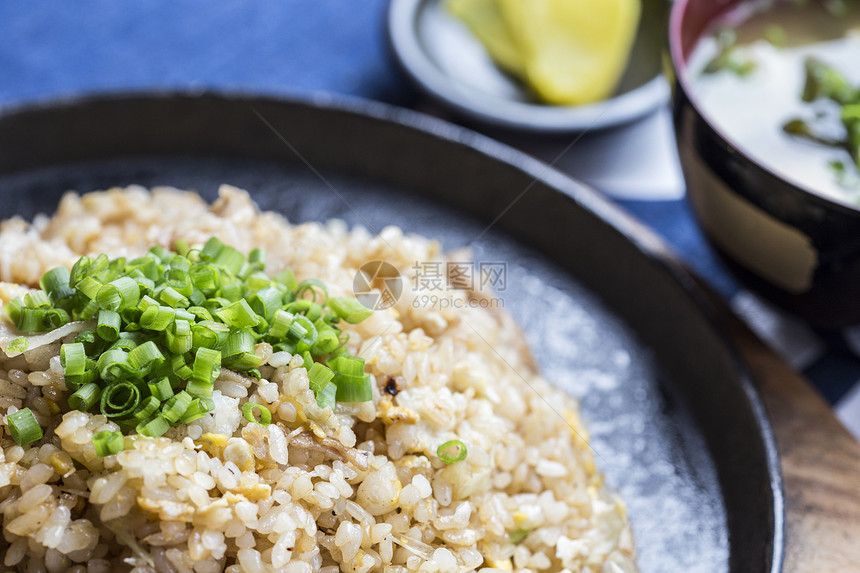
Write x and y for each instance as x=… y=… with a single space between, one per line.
x=357 y=489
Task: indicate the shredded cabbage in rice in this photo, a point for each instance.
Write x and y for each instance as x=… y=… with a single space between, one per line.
x=357 y=489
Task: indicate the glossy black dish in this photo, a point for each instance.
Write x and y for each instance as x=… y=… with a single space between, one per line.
x=675 y=421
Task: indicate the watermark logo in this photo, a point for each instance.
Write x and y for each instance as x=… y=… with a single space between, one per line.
x=377 y=285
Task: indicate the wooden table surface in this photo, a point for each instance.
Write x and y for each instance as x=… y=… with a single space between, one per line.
x=820 y=460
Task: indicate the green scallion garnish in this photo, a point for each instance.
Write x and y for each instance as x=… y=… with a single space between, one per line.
x=108 y=443
x=452 y=451
x=23 y=427
x=153 y=428
x=19 y=345
x=349 y=309
x=119 y=400
x=85 y=397
x=164 y=326
x=257 y=413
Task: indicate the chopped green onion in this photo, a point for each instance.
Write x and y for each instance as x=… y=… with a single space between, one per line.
x=207 y=366
x=73 y=359
x=147 y=266
x=108 y=443
x=320 y=381
x=173 y=298
x=205 y=277
x=182 y=247
x=257 y=255
x=266 y=301
x=179 y=263
x=80 y=270
x=159 y=252
x=157 y=317
x=127 y=341
x=251 y=410
x=146 y=409
x=327 y=397
x=303 y=330
x=311 y=285
x=231 y=290
x=88 y=336
x=18 y=345
x=281 y=321
x=119 y=400
x=238 y=351
x=208 y=334
x=178 y=337
x=144 y=356
x=113 y=364
x=180 y=368
x=353 y=388
x=13 y=309
x=288 y=279
x=238 y=315
x=113 y=267
x=153 y=428
x=146 y=301
x=348 y=365
x=119 y=294
x=327 y=339
x=305 y=306
x=37 y=299
x=518 y=535
x=40 y=319
x=109 y=325
x=174 y=408
x=88 y=311
x=56 y=283
x=349 y=309
x=259 y=280
x=24 y=428
x=89 y=375
x=167 y=323
x=89 y=287
x=201 y=313
x=211 y=249
x=178 y=278
x=452 y=451
x=183 y=314
x=318 y=376
x=161 y=389
x=229 y=258
x=197 y=409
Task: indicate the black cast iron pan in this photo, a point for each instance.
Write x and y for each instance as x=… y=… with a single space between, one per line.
x=674 y=419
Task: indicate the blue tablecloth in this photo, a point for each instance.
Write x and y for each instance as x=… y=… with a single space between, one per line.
x=53 y=47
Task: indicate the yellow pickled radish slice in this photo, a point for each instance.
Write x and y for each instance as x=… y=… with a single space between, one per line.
x=573 y=51
x=485 y=20
x=569 y=52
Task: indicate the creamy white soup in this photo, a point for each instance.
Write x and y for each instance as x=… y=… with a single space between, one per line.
x=749 y=89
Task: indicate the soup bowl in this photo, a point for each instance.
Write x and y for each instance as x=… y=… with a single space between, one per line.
x=791 y=245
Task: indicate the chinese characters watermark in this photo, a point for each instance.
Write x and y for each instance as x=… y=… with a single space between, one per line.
x=473 y=276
